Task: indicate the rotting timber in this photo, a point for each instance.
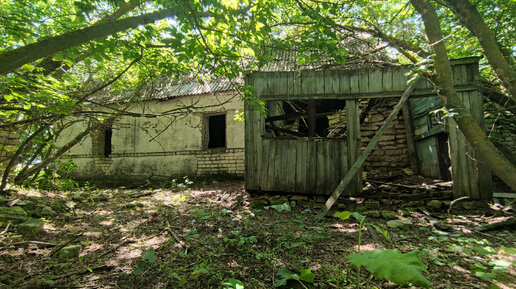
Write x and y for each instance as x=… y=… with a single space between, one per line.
x=304 y=155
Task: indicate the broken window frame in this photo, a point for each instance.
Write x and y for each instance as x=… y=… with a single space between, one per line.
x=311 y=121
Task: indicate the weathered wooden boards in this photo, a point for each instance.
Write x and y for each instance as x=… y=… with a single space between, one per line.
x=313 y=165
x=341 y=84
x=306 y=166
x=471 y=177
x=302 y=165
x=355 y=168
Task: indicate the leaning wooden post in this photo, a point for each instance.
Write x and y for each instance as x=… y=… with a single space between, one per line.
x=360 y=161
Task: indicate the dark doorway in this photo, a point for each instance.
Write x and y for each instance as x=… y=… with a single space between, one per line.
x=108 y=134
x=217 y=131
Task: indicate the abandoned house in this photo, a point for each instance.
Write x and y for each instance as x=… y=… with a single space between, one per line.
x=195 y=135
x=318 y=123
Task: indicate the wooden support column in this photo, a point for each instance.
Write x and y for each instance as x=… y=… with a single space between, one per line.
x=411 y=145
x=312 y=118
x=360 y=161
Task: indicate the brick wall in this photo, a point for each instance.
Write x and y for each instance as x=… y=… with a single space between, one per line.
x=8 y=141
x=104 y=164
x=391 y=151
x=221 y=162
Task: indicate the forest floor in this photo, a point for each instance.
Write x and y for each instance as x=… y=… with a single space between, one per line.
x=203 y=236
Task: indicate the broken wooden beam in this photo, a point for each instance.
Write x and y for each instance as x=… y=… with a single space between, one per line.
x=411 y=144
x=284 y=130
x=295 y=115
x=360 y=161
x=312 y=118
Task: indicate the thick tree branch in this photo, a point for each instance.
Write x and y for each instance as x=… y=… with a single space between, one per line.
x=15 y=58
x=471 y=19
x=49 y=65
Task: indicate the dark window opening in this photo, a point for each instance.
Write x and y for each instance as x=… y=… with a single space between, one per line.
x=108 y=134
x=217 y=131
x=311 y=118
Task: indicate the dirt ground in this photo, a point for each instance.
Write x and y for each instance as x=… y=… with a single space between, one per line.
x=206 y=235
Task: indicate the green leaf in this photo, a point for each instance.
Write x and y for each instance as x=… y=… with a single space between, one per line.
x=57 y=57
x=233 y=283
x=283 y=275
x=392 y=265
x=306 y=275
x=359 y=217
x=69 y=62
x=508 y=250
x=484 y=275
x=344 y=215
x=381 y=231
x=252 y=240
x=8 y=97
x=484 y=250
x=138 y=270
x=280 y=208
x=149 y=255
x=182 y=282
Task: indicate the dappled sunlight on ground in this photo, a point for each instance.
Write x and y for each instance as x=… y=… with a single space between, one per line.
x=366 y=247
x=201 y=237
x=348 y=229
x=92 y=247
x=128 y=253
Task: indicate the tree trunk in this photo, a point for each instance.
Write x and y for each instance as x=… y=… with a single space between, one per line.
x=49 y=65
x=13 y=59
x=17 y=154
x=471 y=19
x=18 y=180
x=443 y=81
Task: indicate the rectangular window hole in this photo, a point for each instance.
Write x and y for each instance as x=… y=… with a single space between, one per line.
x=217 y=131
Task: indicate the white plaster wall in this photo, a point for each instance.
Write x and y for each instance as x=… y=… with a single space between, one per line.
x=170 y=145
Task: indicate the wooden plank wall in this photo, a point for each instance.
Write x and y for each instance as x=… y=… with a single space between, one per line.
x=471 y=177
x=317 y=165
x=306 y=166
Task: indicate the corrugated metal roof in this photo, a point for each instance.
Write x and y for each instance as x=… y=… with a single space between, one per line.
x=276 y=60
x=359 y=54
x=287 y=60
x=168 y=88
